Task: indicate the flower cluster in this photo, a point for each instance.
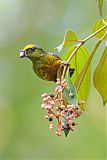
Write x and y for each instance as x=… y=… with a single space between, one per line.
x=57 y=107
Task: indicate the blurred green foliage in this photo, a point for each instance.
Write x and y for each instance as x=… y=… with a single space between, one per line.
x=24 y=133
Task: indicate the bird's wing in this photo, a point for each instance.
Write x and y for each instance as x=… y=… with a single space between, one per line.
x=53 y=54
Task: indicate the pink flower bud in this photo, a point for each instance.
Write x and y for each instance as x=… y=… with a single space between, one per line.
x=69 y=106
x=63 y=112
x=57 y=114
x=62 y=107
x=52 y=115
x=44 y=95
x=62 y=128
x=43 y=106
x=48 y=107
x=49 y=111
x=62 y=124
x=69 y=117
x=72 y=116
x=70 y=109
x=56 y=89
x=64 y=85
x=56 y=108
x=69 y=121
x=58 y=133
x=72 y=106
x=58 y=81
x=59 y=89
x=63 y=81
x=51 y=103
x=51 y=126
x=46 y=117
x=45 y=99
x=71 y=94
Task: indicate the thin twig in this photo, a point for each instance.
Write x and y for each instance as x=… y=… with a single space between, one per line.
x=79 y=45
x=63 y=73
x=75 y=50
x=85 y=68
x=62 y=78
x=93 y=34
x=83 y=41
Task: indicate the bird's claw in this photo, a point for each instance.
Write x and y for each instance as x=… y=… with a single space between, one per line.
x=65 y=63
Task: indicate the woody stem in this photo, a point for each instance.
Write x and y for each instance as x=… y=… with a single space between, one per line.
x=79 y=45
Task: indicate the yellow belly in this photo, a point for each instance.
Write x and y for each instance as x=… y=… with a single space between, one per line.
x=48 y=71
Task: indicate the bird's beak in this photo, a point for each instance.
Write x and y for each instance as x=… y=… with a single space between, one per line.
x=22 y=53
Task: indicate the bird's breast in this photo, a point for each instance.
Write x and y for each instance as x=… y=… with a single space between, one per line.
x=47 y=71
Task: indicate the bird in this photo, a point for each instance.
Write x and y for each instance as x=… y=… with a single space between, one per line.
x=45 y=65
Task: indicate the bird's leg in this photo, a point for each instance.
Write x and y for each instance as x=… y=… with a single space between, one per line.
x=71 y=71
x=65 y=63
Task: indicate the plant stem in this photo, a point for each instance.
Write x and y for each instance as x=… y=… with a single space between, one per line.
x=62 y=77
x=63 y=73
x=93 y=34
x=75 y=50
x=82 y=73
x=85 y=68
x=83 y=41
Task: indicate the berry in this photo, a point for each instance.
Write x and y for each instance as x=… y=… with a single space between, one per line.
x=71 y=112
x=67 y=126
x=44 y=95
x=57 y=116
x=51 y=126
x=52 y=95
x=71 y=94
x=73 y=123
x=50 y=119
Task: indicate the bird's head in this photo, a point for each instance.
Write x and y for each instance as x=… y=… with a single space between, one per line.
x=29 y=51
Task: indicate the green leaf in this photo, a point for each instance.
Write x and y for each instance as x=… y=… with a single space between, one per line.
x=72 y=100
x=66 y=132
x=69 y=38
x=77 y=62
x=99 y=24
x=100 y=76
x=100 y=6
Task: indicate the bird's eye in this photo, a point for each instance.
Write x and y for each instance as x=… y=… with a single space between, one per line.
x=33 y=49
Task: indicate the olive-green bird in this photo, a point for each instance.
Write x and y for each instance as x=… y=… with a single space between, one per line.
x=45 y=65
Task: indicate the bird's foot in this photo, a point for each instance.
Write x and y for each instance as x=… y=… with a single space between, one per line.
x=65 y=63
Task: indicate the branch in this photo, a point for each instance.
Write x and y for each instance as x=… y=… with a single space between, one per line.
x=83 y=41
x=85 y=68
x=80 y=44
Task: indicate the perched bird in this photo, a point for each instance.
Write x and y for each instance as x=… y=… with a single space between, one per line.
x=45 y=65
